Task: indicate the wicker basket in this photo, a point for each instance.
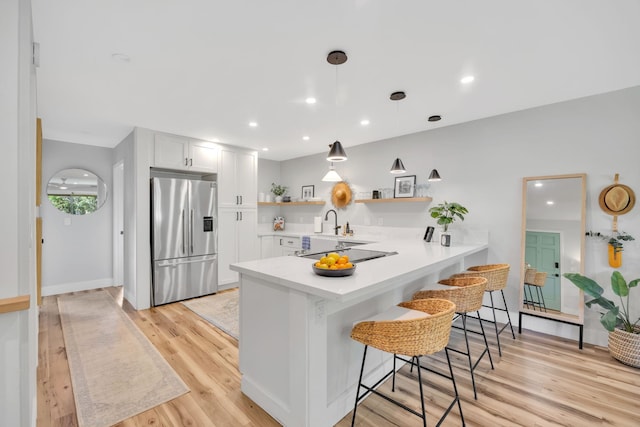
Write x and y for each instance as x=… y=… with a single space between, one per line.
x=540 y=279
x=496 y=275
x=625 y=346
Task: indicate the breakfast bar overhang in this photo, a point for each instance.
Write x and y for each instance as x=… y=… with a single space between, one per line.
x=297 y=359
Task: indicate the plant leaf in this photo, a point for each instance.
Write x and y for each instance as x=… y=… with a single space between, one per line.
x=634 y=283
x=589 y=286
x=610 y=319
x=619 y=285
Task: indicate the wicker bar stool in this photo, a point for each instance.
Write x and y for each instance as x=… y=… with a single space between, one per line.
x=496 y=275
x=414 y=329
x=537 y=282
x=466 y=293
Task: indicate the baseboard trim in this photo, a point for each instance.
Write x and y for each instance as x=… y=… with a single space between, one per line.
x=64 y=288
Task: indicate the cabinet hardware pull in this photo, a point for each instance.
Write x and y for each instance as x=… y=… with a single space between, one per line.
x=240 y=199
x=186 y=161
x=190 y=162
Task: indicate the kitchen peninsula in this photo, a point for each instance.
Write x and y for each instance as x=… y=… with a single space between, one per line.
x=296 y=357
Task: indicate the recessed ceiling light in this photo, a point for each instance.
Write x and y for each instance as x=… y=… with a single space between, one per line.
x=253 y=124
x=305 y=138
x=265 y=149
x=85 y=174
x=538 y=184
x=550 y=202
x=364 y=122
x=120 y=57
x=467 y=79
x=310 y=100
x=434 y=118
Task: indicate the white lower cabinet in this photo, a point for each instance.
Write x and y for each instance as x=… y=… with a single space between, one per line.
x=286 y=245
x=237 y=241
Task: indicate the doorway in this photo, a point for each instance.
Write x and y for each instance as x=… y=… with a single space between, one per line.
x=542 y=252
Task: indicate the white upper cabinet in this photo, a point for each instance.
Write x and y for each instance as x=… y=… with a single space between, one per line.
x=174 y=152
x=238 y=179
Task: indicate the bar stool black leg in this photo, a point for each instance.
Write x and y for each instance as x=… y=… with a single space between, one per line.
x=466 y=340
x=355 y=406
x=541 y=298
x=393 y=382
x=424 y=416
x=513 y=334
x=455 y=387
x=495 y=323
x=486 y=344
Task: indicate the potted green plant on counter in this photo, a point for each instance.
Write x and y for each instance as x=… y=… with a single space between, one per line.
x=446 y=213
x=624 y=335
x=278 y=191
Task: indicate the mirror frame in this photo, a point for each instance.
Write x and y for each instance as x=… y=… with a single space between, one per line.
x=566 y=318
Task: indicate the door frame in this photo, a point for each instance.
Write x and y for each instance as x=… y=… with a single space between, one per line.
x=118 y=223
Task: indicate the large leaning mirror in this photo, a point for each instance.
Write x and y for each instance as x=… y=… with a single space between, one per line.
x=553 y=238
x=76 y=191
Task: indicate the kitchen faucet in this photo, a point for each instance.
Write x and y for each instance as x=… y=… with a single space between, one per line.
x=326 y=218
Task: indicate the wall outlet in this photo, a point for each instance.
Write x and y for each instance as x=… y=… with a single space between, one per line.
x=380 y=221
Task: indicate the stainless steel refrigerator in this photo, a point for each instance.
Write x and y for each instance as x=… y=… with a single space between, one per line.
x=184 y=231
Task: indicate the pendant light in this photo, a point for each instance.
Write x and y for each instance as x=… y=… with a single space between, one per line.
x=434 y=176
x=337 y=153
x=398 y=166
x=332 y=175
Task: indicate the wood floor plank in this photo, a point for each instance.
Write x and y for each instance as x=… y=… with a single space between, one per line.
x=539 y=381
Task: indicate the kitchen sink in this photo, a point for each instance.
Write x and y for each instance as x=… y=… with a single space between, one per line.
x=355 y=255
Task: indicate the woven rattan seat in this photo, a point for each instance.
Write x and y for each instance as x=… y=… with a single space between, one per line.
x=466 y=293
x=422 y=329
x=496 y=275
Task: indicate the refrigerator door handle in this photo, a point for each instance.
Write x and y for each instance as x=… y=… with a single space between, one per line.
x=183 y=233
x=191 y=231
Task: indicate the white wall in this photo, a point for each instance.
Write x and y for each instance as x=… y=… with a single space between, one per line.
x=482 y=164
x=18 y=330
x=77 y=252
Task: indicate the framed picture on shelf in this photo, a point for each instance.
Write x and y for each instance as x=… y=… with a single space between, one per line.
x=307 y=192
x=405 y=186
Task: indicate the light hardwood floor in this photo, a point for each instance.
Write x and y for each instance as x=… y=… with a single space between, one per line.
x=539 y=381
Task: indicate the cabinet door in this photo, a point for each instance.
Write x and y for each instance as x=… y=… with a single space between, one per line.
x=248 y=235
x=227 y=245
x=170 y=152
x=203 y=156
x=227 y=195
x=266 y=247
x=247 y=179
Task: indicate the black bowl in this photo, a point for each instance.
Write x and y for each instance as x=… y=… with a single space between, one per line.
x=333 y=273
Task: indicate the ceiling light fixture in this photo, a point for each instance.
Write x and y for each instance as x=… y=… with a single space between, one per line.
x=398 y=166
x=265 y=149
x=310 y=100
x=305 y=138
x=332 y=175
x=467 y=79
x=364 y=122
x=434 y=176
x=253 y=124
x=337 y=153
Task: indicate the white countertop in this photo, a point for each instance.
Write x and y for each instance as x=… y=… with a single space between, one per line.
x=415 y=259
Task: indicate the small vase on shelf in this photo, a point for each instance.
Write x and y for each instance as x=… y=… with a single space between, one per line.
x=278 y=199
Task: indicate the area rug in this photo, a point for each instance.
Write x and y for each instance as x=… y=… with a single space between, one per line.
x=116 y=372
x=221 y=310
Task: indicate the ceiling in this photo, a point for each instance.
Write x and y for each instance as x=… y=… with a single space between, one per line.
x=206 y=68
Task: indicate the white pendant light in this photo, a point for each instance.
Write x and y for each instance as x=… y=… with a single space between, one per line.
x=332 y=175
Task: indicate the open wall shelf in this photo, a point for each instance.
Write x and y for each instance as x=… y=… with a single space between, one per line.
x=322 y=202
x=398 y=200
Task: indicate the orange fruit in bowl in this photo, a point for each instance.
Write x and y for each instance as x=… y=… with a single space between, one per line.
x=343 y=260
x=331 y=261
x=348 y=265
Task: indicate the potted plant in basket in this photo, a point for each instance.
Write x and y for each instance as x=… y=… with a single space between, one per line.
x=278 y=191
x=447 y=213
x=624 y=335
